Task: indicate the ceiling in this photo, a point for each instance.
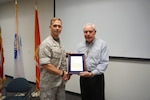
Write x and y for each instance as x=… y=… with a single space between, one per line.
x=5 y=1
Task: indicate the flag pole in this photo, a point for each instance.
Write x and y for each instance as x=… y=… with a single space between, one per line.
x=16 y=4
x=17 y=36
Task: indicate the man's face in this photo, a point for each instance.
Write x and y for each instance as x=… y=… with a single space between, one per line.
x=89 y=33
x=56 y=28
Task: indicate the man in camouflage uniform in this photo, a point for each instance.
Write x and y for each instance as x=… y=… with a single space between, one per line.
x=52 y=56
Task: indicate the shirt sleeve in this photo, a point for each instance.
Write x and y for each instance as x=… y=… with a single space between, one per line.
x=44 y=55
x=104 y=60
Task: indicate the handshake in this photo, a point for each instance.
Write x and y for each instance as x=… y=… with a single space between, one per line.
x=65 y=75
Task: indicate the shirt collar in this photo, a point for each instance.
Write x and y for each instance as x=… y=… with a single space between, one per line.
x=91 y=42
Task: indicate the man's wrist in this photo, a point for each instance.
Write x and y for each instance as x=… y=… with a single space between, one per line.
x=91 y=74
x=62 y=73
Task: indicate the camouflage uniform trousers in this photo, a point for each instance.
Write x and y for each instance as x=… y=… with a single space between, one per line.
x=56 y=93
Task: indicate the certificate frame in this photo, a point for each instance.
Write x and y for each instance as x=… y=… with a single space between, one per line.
x=76 y=63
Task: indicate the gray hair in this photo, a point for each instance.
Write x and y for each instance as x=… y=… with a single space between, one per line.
x=90 y=24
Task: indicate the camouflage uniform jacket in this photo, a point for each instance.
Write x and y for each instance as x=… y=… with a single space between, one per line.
x=51 y=52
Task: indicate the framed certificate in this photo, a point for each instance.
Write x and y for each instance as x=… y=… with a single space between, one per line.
x=76 y=63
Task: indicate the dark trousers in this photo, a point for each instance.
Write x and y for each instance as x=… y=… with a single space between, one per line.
x=92 y=88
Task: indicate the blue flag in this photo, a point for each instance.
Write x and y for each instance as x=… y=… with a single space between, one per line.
x=18 y=58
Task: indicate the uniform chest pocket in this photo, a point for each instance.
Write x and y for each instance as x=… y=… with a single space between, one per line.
x=56 y=52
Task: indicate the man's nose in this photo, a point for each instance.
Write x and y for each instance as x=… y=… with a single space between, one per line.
x=57 y=27
x=88 y=33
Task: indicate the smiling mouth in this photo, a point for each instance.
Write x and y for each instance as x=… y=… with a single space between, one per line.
x=57 y=31
x=88 y=37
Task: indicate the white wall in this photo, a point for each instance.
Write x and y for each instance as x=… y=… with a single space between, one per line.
x=125 y=79
x=128 y=80
x=26 y=29
x=123 y=24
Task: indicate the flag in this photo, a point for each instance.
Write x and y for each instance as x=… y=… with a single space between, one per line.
x=18 y=58
x=36 y=46
x=2 y=78
x=1 y=57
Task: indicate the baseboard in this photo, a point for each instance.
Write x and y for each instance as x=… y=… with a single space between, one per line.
x=9 y=76
x=73 y=93
x=12 y=78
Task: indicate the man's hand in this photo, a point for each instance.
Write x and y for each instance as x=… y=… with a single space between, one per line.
x=66 y=76
x=86 y=74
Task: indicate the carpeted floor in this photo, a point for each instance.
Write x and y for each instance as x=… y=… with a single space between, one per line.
x=69 y=95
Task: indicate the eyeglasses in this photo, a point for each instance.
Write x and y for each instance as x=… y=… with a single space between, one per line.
x=87 y=52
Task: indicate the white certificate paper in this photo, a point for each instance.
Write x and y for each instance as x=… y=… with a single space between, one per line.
x=76 y=63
